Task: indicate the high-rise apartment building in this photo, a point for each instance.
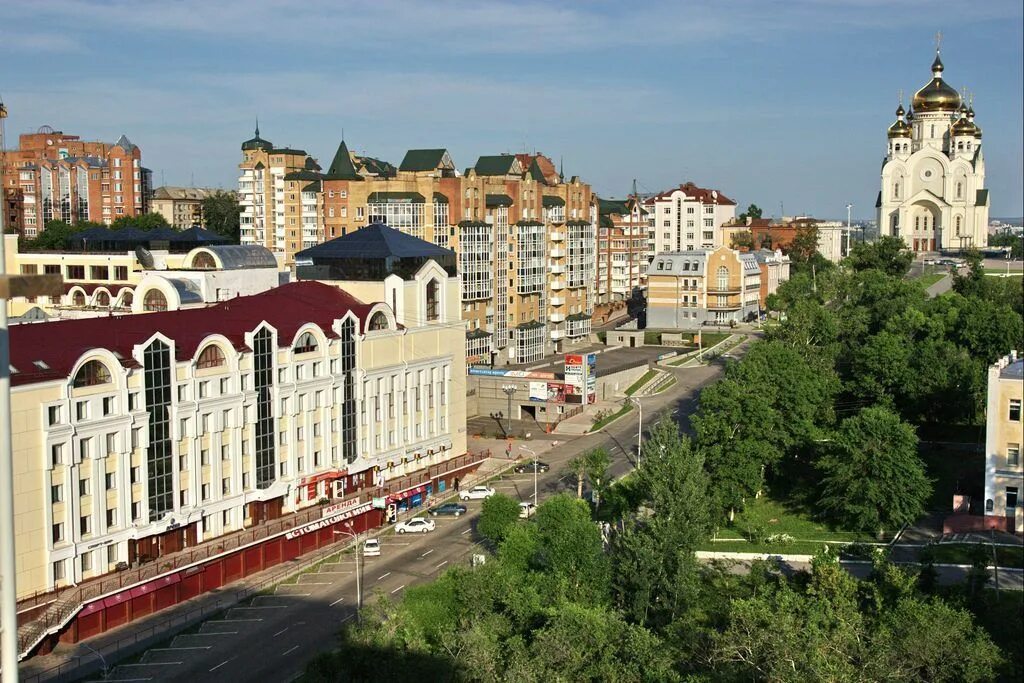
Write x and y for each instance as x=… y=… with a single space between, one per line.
x=623 y=251
x=55 y=176
x=687 y=218
x=524 y=235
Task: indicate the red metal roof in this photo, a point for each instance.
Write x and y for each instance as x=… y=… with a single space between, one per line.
x=59 y=344
x=701 y=194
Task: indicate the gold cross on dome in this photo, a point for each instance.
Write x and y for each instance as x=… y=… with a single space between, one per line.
x=938 y=41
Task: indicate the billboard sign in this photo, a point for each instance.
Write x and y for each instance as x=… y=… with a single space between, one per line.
x=556 y=392
x=575 y=378
x=538 y=391
x=591 y=378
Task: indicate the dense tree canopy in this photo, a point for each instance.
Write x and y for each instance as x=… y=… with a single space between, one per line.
x=221 y=214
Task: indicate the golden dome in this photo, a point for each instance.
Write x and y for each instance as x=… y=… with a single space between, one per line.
x=900 y=129
x=937 y=95
x=964 y=127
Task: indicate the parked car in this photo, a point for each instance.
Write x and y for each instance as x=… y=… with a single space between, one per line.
x=371 y=548
x=528 y=466
x=526 y=510
x=477 y=493
x=453 y=509
x=416 y=524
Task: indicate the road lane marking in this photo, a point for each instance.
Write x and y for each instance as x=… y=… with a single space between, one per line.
x=427 y=553
x=335 y=602
x=398 y=589
x=282 y=631
x=441 y=565
x=152 y=664
x=293 y=649
x=221 y=664
x=346 y=619
x=262 y=607
x=296 y=595
x=310 y=583
x=224 y=621
x=467 y=531
x=384 y=577
x=191 y=647
x=214 y=633
x=127 y=680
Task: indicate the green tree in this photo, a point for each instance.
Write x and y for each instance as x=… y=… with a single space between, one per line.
x=1006 y=238
x=887 y=254
x=497 y=515
x=742 y=239
x=145 y=221
x=597 y=461
x=221 y=214
x=872 y=476
x=54 y=235
x=570 y=551
x=804 y=245
x=753 y=212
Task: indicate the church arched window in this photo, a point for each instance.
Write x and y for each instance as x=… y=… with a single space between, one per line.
x=933 y=132
x=896 y=191
x=968 y=144
x=958 y=226
x=959 y=190
x=917 y=222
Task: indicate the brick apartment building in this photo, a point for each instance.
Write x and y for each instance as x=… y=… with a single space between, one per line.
x=623 y=250
x=56 y=176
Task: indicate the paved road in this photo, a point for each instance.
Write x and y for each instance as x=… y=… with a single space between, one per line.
x=271 y=637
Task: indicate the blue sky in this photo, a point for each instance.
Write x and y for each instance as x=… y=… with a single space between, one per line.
x=771 y=102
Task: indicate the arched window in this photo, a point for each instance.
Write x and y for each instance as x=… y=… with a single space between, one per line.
x=989 y=505
x=210 y=357
x=433 y=304
x=896 y=191
x=154 y=301
x=78 y=299
x=127 y=298
x=968 y=144
x=92 y=374
x=378 y=321
x=102 y=298
x=958 y=226
x=306 y=343
x=723 y=277
x=959 y=190
x=917 y=222
x=204 y=261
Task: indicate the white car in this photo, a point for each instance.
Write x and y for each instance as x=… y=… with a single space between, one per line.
x=420 y=524
x=371 y=548
x=526 y=510
x=477 y=493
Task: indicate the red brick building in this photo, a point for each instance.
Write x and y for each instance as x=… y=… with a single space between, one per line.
x=55 y=176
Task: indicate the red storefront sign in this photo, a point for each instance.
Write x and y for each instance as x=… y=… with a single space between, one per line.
x=327 y=521
x=331 y=510
x=408 y=493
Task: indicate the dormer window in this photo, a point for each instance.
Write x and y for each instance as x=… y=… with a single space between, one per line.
x=306 y=343
x=378 y=321
x=433 y=302
x=91 y=374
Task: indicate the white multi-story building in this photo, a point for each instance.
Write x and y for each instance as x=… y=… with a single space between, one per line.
x=687 y=218
x=1004 y=427
x=933 y=192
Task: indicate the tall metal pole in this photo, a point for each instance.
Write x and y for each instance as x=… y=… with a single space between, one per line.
x=639 y=429
x=8 y=590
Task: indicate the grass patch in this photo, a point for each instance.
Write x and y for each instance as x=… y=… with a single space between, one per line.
x=926 y=281
x=765 y=517
x=635 y=387
x=652 y=337
x=791 y=548
x=961 y=553
x=608 y=419
x=1003 y=274
x=709 y=339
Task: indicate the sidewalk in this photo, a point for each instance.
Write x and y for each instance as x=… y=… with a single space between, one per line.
x=578 y=425
x=72 y=661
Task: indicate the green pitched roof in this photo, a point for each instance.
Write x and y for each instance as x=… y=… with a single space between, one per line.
x=302 y=175
x=472 y=224
x=312 y=187
x=440 y=198
x=287 y=150
x=551 y=200
x=422 y=159
x=578 y=316
x=377 y=166
x=495 y=165
x=477 y=334
x=532 y=325
x=342 y=168
x=529 y=223
x=498 y=200
x=536 y=173
x=395 y=198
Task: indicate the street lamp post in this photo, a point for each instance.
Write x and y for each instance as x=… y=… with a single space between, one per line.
x=359 y=579
x=639 y=428
x=103 y=661
x=535 y=465
x=509 y=389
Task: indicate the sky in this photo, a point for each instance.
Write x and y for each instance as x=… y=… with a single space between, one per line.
x=784 y=104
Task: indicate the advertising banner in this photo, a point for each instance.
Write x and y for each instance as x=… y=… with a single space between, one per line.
x=575 y=378
x=327 y=521
x=538 y=391
x=556 y=392
x=591 y=377
x=519 y=374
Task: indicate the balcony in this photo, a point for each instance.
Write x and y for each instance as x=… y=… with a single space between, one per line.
x=557 y=334
x=556 y=317
x=556 y=236
x=557 y=285
x=557 y=253
x=731 y=289
x=557 y=300
x=556 y=269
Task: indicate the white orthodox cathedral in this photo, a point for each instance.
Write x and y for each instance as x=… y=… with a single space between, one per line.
x=933 y=192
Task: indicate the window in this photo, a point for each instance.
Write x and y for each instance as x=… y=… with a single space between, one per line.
x=136 y=511
x=135 y=437
x=1013 y=455
x=57 y=532
x=111 y=518
x=84 y=446
x=154 y=301
x=205 y=424
x=136 y=474
x=211 y=357
x=121 y=273
x=1014 y=410
x=84 y=487
x=108 y=405
x=91 y=374
x=57 y=493
x=432 y=301
x=306 y=343
x=111 y=554
x=57 y=454
x=58 y=571
x=723 y=278
x=86 y=561
x=224 y=385
x=1011 y=498
x=85 y=525
x=225 y=485
x=110 y=481
x=378 y=321
x=82 y=410
x=206 y=492
x=204 y=457
x=111 y=443
x=182 y=463
x=53 y=415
